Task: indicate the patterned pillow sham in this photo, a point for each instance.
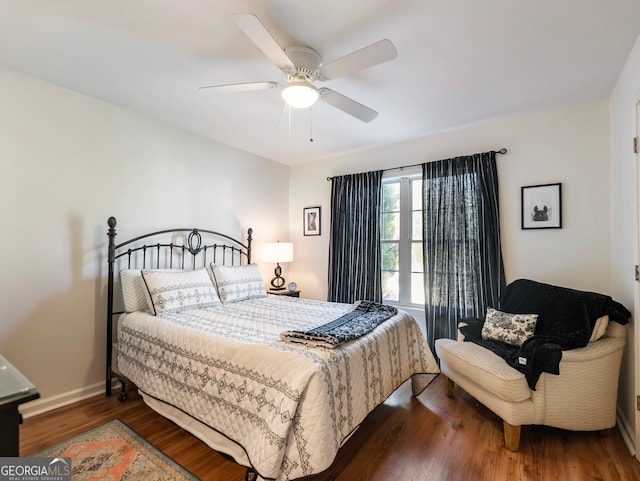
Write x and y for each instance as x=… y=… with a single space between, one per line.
x=509 y=328
x=175 y=291
x=238 y=283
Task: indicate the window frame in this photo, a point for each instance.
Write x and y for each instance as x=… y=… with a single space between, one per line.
x=405 y=242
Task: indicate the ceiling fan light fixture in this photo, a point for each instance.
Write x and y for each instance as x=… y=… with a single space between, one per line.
x=300 y=95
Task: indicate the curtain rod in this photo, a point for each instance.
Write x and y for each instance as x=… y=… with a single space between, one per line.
x=501 y=151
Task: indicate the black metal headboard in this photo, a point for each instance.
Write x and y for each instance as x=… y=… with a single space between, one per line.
x=179 y=248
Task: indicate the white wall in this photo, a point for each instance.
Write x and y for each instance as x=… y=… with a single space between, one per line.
x=624 y=225
x=68 y=163
x=569 y=146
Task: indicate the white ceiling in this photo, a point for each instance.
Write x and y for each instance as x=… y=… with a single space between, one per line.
x=459 y=61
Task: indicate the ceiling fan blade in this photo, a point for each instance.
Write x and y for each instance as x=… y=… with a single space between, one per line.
x=348 y=105
x=374 y=54
x=258 y=34
x=243 y=87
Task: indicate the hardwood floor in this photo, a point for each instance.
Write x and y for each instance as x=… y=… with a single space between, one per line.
x=423 y=438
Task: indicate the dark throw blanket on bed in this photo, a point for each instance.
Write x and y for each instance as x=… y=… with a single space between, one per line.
x=566 y=318
x=366 y=316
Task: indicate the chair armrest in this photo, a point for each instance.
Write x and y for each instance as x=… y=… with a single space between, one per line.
x=594 y=350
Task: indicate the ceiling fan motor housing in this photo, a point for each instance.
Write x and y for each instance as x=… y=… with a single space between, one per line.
x=306 y=60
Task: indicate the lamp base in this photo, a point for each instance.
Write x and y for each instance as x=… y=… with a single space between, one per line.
x=278 y=282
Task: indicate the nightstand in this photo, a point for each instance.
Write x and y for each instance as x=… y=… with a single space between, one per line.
x=15 y=389
x=285 y=292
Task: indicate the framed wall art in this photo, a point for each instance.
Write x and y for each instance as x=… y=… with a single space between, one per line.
x=542 y=206
x=311 y=220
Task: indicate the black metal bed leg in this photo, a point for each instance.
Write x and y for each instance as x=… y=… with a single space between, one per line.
x=251 y=475
x=122 y=397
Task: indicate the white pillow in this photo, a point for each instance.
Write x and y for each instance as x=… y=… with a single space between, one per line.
x=134 y=292
x=175 y=291
x=512 y=329
x=238 y=283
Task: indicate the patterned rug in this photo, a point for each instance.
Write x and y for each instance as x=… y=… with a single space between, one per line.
x=115 y=452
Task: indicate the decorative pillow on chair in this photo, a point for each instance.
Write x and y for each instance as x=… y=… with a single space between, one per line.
x=512 y=329
x=238 y=283
x=171 y=292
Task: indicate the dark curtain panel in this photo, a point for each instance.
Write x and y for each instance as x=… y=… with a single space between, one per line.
x=462 y=255
x=354 y=249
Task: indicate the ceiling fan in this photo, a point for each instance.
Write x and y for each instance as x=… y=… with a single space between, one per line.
x=302 y=66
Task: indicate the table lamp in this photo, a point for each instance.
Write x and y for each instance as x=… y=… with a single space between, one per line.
x=277 y=252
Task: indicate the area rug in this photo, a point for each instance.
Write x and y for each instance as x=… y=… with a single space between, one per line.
x=114 y=452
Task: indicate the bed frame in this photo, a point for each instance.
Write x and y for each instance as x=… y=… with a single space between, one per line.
x=179 y=248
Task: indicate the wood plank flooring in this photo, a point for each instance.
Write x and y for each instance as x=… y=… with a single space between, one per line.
x=425 y=438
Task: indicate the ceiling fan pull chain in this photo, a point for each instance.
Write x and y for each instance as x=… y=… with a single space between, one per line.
x=310 y=125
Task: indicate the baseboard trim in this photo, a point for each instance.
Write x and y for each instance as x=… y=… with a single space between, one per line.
x=43 y=405
x=628 y=434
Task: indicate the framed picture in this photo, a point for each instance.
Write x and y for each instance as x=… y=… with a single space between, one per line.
x=311 y=220
x=542 y=206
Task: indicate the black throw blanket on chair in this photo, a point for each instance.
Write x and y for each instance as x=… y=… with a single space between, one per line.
x=566 y=318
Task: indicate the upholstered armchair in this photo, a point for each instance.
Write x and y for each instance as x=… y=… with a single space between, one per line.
x=564 y=375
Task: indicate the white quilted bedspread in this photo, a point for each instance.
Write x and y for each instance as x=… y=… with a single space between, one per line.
x=289 y=406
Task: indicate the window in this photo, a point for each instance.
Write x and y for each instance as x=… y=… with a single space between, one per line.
x=401 y=230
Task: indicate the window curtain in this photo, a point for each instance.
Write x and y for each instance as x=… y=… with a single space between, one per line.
x=355 y=271
x=463 y=269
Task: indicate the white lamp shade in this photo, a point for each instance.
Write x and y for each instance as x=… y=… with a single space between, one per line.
x=277 y=252
x=300 y=95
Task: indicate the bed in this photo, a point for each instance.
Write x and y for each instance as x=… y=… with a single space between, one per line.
x=203 y=342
